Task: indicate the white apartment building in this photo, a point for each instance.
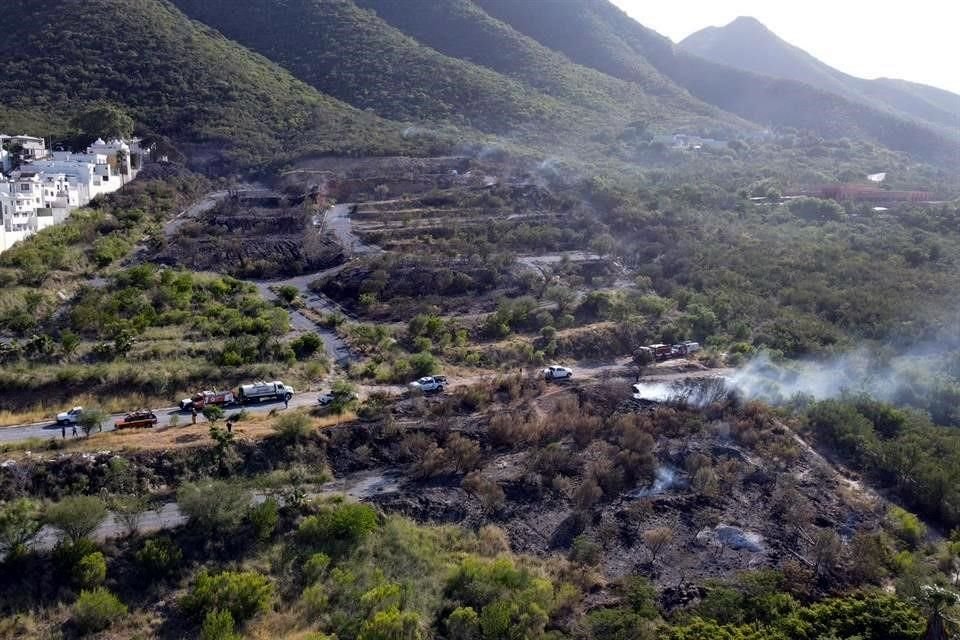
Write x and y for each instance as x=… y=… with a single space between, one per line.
x=47 y=187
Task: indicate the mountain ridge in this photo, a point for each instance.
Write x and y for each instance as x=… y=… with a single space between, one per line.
x=749 y=45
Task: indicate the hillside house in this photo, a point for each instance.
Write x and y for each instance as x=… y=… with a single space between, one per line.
x=46 y=187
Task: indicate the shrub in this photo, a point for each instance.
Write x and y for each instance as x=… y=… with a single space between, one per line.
x=315 y=567
x=293 y=426
x=584 y=550
x=19 y=525
x=76 y=516
x=218 y=625
x=288 y=293
x=907 y=526
x=264 y=518
x=243 y=594
x=90 y=571
x=306 y=345
x=314 y=601
x=159 y=556
x=346 y=524
x=488 y=491
x=97 y=609
x=463 y=624
x=214 y=505
x=392 y=624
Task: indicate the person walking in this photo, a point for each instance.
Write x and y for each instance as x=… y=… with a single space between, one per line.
x=286 y=402
x=75 y=434
x=193 y=415
x=229 y=427
x=63 y=431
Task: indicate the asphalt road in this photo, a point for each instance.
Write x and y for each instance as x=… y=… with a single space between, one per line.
x=165 y=417
x=616 y=369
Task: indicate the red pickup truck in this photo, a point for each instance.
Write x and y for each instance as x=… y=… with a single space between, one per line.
x=135 y=419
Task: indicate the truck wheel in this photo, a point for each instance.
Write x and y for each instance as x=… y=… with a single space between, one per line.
x=288 y=397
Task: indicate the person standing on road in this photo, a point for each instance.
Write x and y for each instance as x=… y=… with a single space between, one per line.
x=75 y=434
x=63 y=431
x=286 y=402
x=193 y=415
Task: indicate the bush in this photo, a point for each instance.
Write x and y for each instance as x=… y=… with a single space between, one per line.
x=159 y=556
x=306 y=345
x=214 y=505
x=90 y=571
x=314 y=601
x=315 y=567
x=243 y=594
x=264 y=518
x=584 y=550
x=341 y=525
x=392 y=624
x=76 y=516
x=907 y=526
x=218 y=625
x=293 y=426
x=97 y=609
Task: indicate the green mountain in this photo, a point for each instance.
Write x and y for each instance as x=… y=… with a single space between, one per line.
x=747 y=44
x=176 y=77
x=375 y=60
x=595 y=33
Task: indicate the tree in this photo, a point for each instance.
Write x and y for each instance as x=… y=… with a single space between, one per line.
x=935 y=602
x=213 y=413
x=19 y=525
x=218 y=625
x=344 y=398
x=105 y=121
x=657 y=540
x=214 y=505
x=76 y=516
x=90 y=419
x=129 y=510
x=288 y=293
x=306 y=345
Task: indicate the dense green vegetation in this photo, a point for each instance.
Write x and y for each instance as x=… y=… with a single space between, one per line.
x=338 y=48
x=898 y=449
x=175 y=77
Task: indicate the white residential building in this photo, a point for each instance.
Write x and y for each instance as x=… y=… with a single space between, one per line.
x=47 y=187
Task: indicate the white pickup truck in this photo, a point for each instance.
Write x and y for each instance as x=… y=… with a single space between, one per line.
x=70 y=417
x=429 y=384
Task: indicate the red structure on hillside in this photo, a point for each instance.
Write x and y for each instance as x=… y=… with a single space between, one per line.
x=865 y=193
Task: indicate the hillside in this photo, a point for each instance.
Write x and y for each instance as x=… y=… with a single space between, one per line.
x=175 y=77
x=747 y=44
x=448 y=63
x=610 y=41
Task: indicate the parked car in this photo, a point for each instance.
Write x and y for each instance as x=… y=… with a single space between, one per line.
x=70 y=417
x=428 y=384
x=138 y=418
x=327 y=397
x=556 y=372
